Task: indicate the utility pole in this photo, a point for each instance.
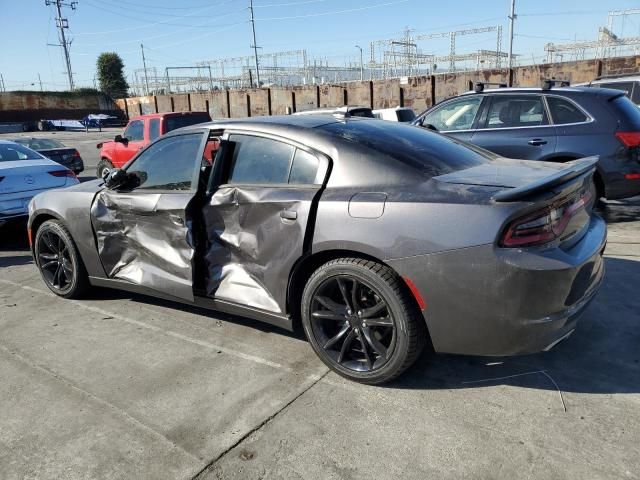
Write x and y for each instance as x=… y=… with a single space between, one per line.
x=512 y=18
x=144 y=63
x=2 y=87
x=361 y=63
x=63 y=23
x=255 y=45
x=40 y=81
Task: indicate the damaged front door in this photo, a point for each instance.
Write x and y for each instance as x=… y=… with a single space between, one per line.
x=143 y=227
x=258 y=219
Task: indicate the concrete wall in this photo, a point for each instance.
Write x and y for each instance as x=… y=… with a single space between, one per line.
x=415 y=92
x=34 y=106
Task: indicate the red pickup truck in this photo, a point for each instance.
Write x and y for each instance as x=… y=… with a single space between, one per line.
x=140 y=132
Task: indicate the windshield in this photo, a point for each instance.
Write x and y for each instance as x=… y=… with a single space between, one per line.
x=39 y=143
x=429 y=152
x=12 y=151
x=406 y=115
x=173 y=123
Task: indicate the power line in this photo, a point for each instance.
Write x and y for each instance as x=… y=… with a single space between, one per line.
x=335 y=12
x=62 y=24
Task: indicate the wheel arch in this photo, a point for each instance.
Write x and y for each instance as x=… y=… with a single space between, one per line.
x=304 y=268
x=37 y=219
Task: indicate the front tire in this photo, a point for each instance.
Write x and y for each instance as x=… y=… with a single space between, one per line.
x=361 y=320
x=58 y=260
x=104 y=167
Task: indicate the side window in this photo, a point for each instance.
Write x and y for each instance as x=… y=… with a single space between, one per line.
x=154 y=129
x=304 y=168
x=135 y=131
x=635 y=97
x=169 y=164
x=455 y=115
x=563 y=111
x=507 y=111
x=259 y=160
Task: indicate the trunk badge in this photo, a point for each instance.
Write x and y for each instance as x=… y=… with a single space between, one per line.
x=29 y=179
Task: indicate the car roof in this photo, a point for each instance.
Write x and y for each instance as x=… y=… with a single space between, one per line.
x=579 y=90
x=274 y=122
x=617 y=79
x=167 y=114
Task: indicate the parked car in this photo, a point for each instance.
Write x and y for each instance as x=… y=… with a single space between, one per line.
x=630 y=84
x=349 y=111
x=398 y=114
x=56 y=151
x=139 y=133
x=378 y=237
x=25 y=173
x=550 y=124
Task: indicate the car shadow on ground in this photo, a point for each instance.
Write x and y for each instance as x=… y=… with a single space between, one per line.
x=13 y=235
x=620 y=211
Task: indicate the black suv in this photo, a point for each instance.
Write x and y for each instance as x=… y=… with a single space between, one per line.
x=550 y=124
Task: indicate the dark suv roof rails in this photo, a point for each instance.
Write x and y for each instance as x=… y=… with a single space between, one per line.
x=549 y=83
x=479 y=86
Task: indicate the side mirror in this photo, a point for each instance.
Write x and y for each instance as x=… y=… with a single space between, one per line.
x=116 y=178
x=428 y=126
x=120 y=139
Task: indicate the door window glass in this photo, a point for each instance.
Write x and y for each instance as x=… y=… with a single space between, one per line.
x=168 y=164
x=135 y=131
x=509 y=112
x=454 y=115
x=154 y=129
x=304 y=168
x=259 y=160
x=563 y=111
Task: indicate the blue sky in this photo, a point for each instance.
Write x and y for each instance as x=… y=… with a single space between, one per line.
x=181 y=32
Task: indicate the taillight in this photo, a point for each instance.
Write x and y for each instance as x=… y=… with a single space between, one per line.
x=62 y=173
x=76 y=153
x=545 y=225
x=629 y=139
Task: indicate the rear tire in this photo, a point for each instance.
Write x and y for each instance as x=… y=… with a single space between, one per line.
x=59 y=262
x=361 y=320
x=104 y=165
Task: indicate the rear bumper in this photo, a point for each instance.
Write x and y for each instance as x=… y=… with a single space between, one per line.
x=493 y=301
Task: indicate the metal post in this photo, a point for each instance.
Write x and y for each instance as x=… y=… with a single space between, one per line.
x=361 y=63
x=255 y=45
x=62 y=23
x=2 y=83
x=512 y=17
x=144 y=63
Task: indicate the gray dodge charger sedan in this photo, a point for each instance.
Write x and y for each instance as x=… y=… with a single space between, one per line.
x=375 y=237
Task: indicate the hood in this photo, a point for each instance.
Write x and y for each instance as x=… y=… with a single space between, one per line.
x=503 y=173
x=90 y=186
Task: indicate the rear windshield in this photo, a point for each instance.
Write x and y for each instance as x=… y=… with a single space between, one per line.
x=39 y=143
x=173 y=123
x=429 y=152
x=627 y=111
x=12 y=151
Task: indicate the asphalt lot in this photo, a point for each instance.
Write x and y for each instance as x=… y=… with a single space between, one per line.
x=126 y=386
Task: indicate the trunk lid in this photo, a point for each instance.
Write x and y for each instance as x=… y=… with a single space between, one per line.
x=557 y=198
x=63 y=156
x=26 y=175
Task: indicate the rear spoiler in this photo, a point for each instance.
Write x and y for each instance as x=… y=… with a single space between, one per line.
x=575 y=168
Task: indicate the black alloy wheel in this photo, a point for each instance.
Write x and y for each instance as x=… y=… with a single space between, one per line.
x=58 y=260
x=361 y=320
x=353 y=323
x=55 y=262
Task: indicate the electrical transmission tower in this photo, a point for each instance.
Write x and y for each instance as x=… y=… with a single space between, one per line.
x=62 y=24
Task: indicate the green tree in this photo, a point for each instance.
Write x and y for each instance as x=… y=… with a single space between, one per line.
x=111 y=75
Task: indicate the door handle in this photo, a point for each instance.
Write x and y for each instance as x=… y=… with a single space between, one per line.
x=536 y=142
x=177 y=219
x=288 y=215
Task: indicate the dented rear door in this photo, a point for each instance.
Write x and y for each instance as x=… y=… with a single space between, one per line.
x=144 y=231
x=259 y=222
